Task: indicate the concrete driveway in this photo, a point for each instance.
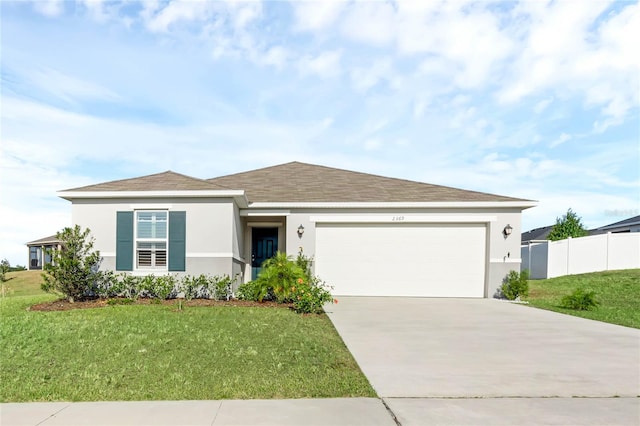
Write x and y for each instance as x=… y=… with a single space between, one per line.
x=433 y=357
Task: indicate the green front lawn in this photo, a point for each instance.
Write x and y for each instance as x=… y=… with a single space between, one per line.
x=617 y=291
x=154 y=352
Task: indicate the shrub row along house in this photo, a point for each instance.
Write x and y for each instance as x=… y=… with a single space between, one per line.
x=368 y=235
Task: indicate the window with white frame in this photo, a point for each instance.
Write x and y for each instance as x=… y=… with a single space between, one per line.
x=151 y=239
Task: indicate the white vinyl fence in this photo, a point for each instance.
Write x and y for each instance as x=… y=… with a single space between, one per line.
x=604 y=252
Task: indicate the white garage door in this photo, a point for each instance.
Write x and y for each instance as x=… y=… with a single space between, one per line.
x=427 y=260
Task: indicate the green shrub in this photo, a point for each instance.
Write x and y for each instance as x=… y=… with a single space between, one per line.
x=310 y=296
x=193 y=287
x=4 y=268
x=220 y=287
x=74 y=270
x=515 y=285
x=255 y=290
x=580 y=300
x=287 y=281
x=280 y=274
x=164 y=287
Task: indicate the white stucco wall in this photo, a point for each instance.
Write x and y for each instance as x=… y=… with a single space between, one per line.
x=210 y=226
x=218 y=233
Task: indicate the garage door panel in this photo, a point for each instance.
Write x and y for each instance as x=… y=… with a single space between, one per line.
x=402 y=259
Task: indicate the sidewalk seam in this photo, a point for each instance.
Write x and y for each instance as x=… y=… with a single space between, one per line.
x=393 y=415
x=54 y=414
x=213 y=422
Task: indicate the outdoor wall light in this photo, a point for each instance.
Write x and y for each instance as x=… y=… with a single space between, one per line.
x=507 y=230
x=300 y=231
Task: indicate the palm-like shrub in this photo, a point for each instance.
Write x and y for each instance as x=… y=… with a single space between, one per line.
x=278 y=277
x=287 y=281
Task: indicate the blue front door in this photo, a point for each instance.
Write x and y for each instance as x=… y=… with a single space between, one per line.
x=264 y=244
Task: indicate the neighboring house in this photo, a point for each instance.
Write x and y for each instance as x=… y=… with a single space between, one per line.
x=537 y=234
x=610 y=247
x=368 y=235
x=628 y=225
x=39 y=251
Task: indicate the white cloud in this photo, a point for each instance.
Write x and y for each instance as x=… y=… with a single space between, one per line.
x=316 y=15
x=564 y=137
x=370 y=22
x=364 y=78
x=50 y=8
x=96 y=9
x=325 y=64
x=67 y=87
x=276 y=56
x=542 y=105
x=161 y=19
x=579 y=51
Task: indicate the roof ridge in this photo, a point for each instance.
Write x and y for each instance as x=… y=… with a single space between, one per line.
x=363 y=174
x=165 y=173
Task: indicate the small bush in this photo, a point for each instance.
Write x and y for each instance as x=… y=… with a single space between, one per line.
x=220 y=287
x=255 y=290
x=280 y=274
x=288 y=281
x=515 y=285
x=4 y=268
x=580 y=300
x=193 y=287
x=164 y=287
x=74 y=270
x=311 y=296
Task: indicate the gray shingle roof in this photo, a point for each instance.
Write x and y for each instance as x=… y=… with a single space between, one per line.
x=536 y=234
x=46 y=240
x=630 y=221
x=301 y=182
x=165 y=181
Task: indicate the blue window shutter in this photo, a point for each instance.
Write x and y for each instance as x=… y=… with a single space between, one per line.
x=177 y=246
x=124 y=241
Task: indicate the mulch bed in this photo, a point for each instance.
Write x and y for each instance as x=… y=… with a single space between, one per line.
x=65 y=305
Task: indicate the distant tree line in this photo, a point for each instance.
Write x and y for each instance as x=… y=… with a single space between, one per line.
x=5 y=267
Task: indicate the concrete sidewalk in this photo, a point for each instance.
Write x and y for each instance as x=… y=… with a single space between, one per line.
x=312 y=412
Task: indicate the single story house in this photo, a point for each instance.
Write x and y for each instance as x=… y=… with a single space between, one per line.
x=39 y=252
x=631 y=224
x=367 y=235
x=536 y=234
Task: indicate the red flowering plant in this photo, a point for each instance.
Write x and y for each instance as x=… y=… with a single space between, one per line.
x=310 y=296
x=311 y=293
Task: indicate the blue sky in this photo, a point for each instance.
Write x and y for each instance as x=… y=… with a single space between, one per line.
x=537 y=100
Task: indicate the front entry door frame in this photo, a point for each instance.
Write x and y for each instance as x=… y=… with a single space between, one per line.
x=252 y=271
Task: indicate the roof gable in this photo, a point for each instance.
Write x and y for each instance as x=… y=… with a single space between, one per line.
x=297 y=182
x=165 y=181
x=53 y=239
x=626 y=222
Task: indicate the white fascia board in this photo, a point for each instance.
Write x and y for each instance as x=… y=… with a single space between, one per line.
x=264 y=212
x=409 y=205
x=239 y=196
x=452 y=218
